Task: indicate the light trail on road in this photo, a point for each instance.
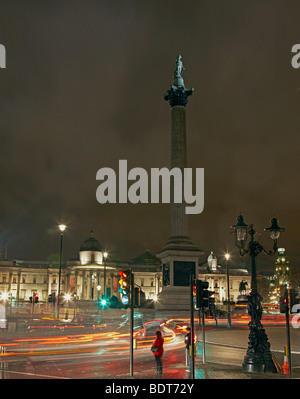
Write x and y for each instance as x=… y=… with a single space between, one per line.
x=82 y=343
x=104 y=353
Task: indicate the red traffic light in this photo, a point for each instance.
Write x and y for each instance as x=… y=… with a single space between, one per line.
x=283 y=304
x=123 y=274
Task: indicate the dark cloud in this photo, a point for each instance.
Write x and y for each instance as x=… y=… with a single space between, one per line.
x=84 y=88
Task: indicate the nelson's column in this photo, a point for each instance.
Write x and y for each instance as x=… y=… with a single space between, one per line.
x=180 y=257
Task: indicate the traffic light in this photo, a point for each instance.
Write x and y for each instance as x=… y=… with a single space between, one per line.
x=208 y=301
x=203 y=295
x=284 y=301
x=201 y=286
x=51 y=298
x=36 y=297
x=124 y=285
x=283 y=304
x=195 y=293
x=139 y=297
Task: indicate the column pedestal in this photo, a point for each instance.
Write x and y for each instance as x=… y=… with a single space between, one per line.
x=178 y=264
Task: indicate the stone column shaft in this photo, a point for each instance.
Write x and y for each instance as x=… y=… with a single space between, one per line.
x=179 y=224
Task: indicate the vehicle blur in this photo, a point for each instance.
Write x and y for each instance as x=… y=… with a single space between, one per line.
x=137 y=321
x=81 y=320
x=40 y=339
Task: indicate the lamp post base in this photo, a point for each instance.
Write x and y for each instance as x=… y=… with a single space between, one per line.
x=259 y=357
x=253 y=363
x=256 y=363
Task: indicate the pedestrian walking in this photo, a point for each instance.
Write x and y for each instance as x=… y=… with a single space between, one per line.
x=188 y=343
x=158 y=350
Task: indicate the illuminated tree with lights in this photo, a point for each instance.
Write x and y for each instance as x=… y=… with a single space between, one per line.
x=282 y=268
x=281 y=277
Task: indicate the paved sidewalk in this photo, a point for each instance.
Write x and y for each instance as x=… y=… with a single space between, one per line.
x=204 y=371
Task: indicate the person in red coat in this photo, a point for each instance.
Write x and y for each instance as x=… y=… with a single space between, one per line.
x=159 y=342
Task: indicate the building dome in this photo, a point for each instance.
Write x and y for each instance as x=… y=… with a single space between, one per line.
x=91 y=251
x=211 y=256
x=212 y=262
x=91 y=244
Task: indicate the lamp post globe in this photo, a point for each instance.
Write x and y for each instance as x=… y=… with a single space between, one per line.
x=62 y=227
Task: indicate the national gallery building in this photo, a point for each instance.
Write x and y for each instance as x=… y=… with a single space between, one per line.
x=93 y=274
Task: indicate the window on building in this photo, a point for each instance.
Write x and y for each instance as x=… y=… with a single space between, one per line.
x=3 y=279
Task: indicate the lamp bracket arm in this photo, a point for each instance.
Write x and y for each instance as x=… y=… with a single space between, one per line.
x=272 y=251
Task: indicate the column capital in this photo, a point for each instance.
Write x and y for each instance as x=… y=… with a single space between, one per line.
x=178 y=95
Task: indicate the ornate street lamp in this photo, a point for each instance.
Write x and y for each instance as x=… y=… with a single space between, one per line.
x=259 y=357
x=105 y=255
x=62 y=228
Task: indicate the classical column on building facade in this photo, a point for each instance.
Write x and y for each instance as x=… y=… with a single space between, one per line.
x=49 y=282
x=86 y=285
x=91 y=285
x=67 y=284
x=82 y=296
x=9 y=281
x=18 y=285
x=111 y=283
x=157 y=280
x=75 y=283
x=180 y=257
x=98 y=284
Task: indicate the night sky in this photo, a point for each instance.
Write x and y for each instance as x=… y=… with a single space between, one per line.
x=84 y=88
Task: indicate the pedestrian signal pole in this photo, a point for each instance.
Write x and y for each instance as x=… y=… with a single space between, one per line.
x=200 y=302
x=204 y=300
x=131 y=321
x=192 y=347
x=285 y=302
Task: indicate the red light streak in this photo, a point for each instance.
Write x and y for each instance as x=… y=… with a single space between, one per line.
x=89 y=344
